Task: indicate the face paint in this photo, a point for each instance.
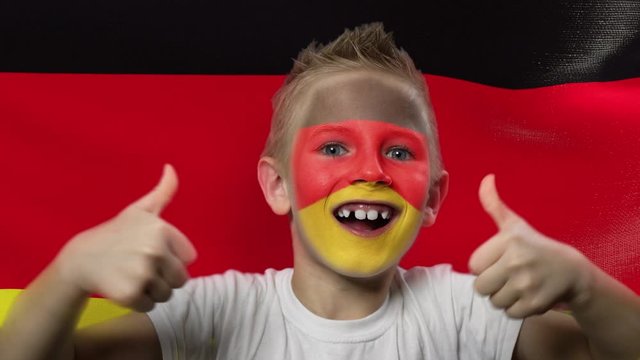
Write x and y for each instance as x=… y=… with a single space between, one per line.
x=359 y=186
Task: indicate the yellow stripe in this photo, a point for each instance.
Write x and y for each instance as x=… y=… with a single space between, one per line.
x=97 y=310
x=351 y=254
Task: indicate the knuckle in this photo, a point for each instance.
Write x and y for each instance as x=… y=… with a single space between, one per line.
x=515 y=263
x=538 y=305
x=144 y=272
x=512 y=313
x=526 y=282
x=478 y=284
x=159 y=228
x=128 y=295
x=517 y=239
x=497 y=302
x=519 y=235
x=177 y=280
x=517 y=312
x=519 y=260
x=152 y=227
x=164 y=296
x=153 y=250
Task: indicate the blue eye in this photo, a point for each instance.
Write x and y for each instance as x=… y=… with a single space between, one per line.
x=333 y=150
x=399 y=153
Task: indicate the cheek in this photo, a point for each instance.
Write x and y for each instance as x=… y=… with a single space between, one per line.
x=411 y=181
x=315 y=176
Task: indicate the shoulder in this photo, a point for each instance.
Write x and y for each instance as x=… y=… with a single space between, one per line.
x=441 y=277
x=238 y=277
x=207 y=304
x=441 y=293
x=219 y=291
x=438 y=291
x=447 y=299
x=233 y=283
x=449 y=289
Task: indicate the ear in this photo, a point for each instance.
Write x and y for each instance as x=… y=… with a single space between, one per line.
x=437 y=193
x=273 y=186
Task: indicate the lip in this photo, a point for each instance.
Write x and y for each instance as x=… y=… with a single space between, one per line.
x=369 y=233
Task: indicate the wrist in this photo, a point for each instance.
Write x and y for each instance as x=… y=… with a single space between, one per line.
x=585 y=285
x=63 y=274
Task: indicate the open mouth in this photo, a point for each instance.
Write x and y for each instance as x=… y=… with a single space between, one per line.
x=365 y=219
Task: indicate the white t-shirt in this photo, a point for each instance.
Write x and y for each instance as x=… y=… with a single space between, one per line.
x=430 y=313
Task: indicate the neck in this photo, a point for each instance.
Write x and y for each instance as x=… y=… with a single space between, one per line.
x=334 y=296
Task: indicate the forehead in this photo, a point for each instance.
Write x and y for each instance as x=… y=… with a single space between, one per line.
x=364 y=95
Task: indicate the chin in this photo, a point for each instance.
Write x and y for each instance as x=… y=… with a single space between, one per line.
x=368 y=275
x=355 y=269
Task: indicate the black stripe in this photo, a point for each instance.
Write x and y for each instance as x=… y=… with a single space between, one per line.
x=508 y=44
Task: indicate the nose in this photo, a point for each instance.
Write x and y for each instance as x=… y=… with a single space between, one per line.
x=371 y=170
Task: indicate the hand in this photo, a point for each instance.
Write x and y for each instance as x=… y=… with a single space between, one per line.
x=523 y=271
x=134 y=259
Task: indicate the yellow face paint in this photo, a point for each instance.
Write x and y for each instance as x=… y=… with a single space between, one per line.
x=351 y=254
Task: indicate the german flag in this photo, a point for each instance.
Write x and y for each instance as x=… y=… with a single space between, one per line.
x=96 y=96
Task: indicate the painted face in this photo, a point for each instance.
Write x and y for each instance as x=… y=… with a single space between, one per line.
x=360 y=188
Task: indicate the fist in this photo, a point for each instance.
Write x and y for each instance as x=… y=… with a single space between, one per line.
x=134 y=259
x=520 y=269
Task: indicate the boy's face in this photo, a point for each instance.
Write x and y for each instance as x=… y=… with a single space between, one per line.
x=360 y=171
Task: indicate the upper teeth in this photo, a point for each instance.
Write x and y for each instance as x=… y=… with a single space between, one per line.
x=361 y=214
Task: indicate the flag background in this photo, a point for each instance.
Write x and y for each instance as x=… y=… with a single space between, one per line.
x=95 y=97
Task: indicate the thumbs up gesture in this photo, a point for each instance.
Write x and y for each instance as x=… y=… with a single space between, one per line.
x=134 y=259
x=522 y=270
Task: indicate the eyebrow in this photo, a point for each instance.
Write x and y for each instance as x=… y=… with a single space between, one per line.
x=341 y=129
x=330 y=128
x=413 y=134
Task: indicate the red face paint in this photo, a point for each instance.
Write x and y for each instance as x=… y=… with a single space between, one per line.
x=331 y=156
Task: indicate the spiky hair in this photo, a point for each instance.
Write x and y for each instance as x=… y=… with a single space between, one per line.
x=366 y=47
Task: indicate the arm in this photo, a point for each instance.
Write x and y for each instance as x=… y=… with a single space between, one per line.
x=528 y=274
x=134 y=259
x=609 y=315
x=130 y=337
x=37 y=329
x=607 y=326
x=42 y=317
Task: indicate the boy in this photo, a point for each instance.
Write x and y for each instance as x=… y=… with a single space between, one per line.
x=353 y=159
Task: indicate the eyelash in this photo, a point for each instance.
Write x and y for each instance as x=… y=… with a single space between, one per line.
x=324 y=149
x=410 y=154
x=342 y=150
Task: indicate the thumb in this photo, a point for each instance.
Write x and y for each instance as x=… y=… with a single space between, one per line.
x=492 y=204
x=157 y=199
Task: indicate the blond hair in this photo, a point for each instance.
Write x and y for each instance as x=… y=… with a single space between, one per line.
x=366 y=47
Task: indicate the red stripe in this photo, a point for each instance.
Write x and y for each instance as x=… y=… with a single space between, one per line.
x=75 y=149
x=365 y=143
